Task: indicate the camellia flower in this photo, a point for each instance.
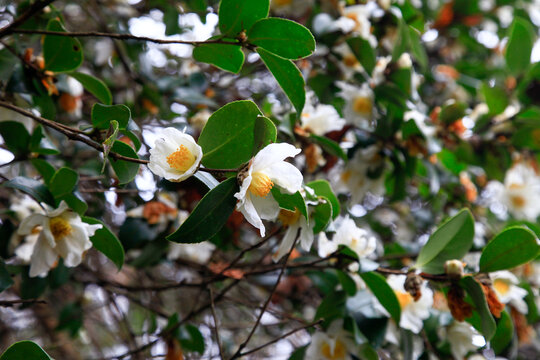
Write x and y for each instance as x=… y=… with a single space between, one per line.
x=63 y=234
x=294 y=220
x=357 y=239
x=358 y=109
x=265 y=170
x=506 y=287
x=334 y=344
x=320 y=119
x=463 y=338
x=521 y=193
x=175 y=156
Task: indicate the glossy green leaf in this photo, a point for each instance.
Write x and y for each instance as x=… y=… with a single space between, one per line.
x=61 y=53
x=264 y=134
x=39 y=143
x=322 y=215
x=510 y=248
x=417 y=48
x=487 y=326
x=452 y=240
x=288 y=77
x=94 y=86
x=347 y=283
x=16 y=137
x=106 y=242
x=209 y=215
x=25 y=350
x=363 y=52
x=112 y=134
x=125 y=170
x=228 y=138
x=103 y=114
x=282 y=37
x=496 y=99
x=520 y=44
x=291 y=202
x=63 y=182
x=32 y=187
x=191 y=339
x=332 y=306
x=238 y=15
x=75 y=203
x=504 y=333
x=44 y=168
x=226 y=57
x=323 y=188
x=329 y=145
x=5 y=278
x=384 y=293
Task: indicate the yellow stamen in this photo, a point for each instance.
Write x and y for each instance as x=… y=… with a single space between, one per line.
x=518 y=201
x=281 y=2
x=182 y=159
x=501 y=286
x=350 y=60
x=260 y=184
x=339 y=351
x=362 y=105
x=287 y=217
x=59 y=227
x=404 y=298
x=346 y=175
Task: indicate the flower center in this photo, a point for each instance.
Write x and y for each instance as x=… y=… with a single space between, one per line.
x=260 y=184
x=362 y=105
x=501 y=286
x=281 y=2
x=59 y=227
x=182 y=159
x=404 y=298
x=517 y=201
x=339 y=351
x=346 y=175
x=350 y=60
x=288 y=217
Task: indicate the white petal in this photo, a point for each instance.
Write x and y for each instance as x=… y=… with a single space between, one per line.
x=249 y=212
x=306 y=234
x=42 y=259
x=286 y=243
x=71 y=247
x=29 y=223
x=272 y=154
x=267 y=207
x=286 y=176
x=59 y=210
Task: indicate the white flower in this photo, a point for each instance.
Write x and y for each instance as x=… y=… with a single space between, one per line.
x=63 y=234
x=420 y=120
x=320 y=119
x=159 y=211
x=521 y=193
x=24 y=206
x=360 y=25
x=265 y=170
x=412 y=312
x=461 y=336
x=294 y=221
x=349 y=64
x=334 y=344
x=357 y=239
x=358 y=109
x=506 y=287
x=175 y=156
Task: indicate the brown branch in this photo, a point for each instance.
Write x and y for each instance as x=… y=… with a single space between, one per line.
x=34 y=9
x=10 y=303
x=216 y=326
x=123 y=37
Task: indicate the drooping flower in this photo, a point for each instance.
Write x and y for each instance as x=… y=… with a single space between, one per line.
x=63 y=234
x=333 y=344
x=294 y=221
x=175 y=156
x=267 y=169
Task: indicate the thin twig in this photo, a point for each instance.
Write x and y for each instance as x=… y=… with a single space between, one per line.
x=10 y=303
x=216 y=326
x=34 y=9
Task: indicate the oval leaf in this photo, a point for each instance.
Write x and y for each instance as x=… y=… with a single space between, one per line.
x=16 y=137
x=510 y=248
x=520 y=44
x=106 y=242
x=94 y=86
x=487 y=324
x=288 y=77
x=323 y=188
x=25 y=350
x=63 y=182
x=61 y=53
x=226 y=57
x=384 y=293
x=102 y=115
x=238 y=15
x=209 y=215
x=125 y=170
x=322 y=215
x=282 y=37
x=363 y=51
x=450 y=241
x=32 y=187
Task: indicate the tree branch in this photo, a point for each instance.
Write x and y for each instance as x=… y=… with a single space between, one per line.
x=34 y=9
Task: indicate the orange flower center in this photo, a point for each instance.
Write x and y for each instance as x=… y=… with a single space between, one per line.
x=501 y=286
x=350 y=60
x=59 y=227
x=404 y=298
x=338 y=353
x=281 y=2
x=362 y=105
x=288 y=217
x=182 y=159
x=260 y=184
x=517 y=201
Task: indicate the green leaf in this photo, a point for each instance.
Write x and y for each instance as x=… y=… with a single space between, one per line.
x=75 y=203
x=16 y=137
x=61 y=53
x=322 y=215
x=367 y=352
x=94 y=86
x=224 y=56
x=44 y=168
x=476 y=293
x=106 y=242
x=228 y=138
x=40 y=144
x=329 y=145
x=417 y=49
x=288 y=77
x=291 y=202
x=363 y=52
x=25 y=350
x=346 y=282
x=332 y=306
x=510 y=248
x=5 y=278
x=452 y=240
x=191 y=339
x=32 y=187
x=265 y=133
x=238 y=15
x=282 y=37
x=520 y=44
x=496 y=99
x=63 y=182
x=125 y=170
x=209 y=215
x=503 y=334
x=109 y=142
x=103 y=114
x=402 y=41
x=384 y=293
x=323 y=188
x=71 y=318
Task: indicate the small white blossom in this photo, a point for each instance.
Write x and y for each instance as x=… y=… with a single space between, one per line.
x=333 y=344
x=175 y=156
x=320 y=119
x=350 y=235
x=266 y=169
x=506 y=287
x=358 y=109
x=294 y=221
x=461 y=336
x=63 y=234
